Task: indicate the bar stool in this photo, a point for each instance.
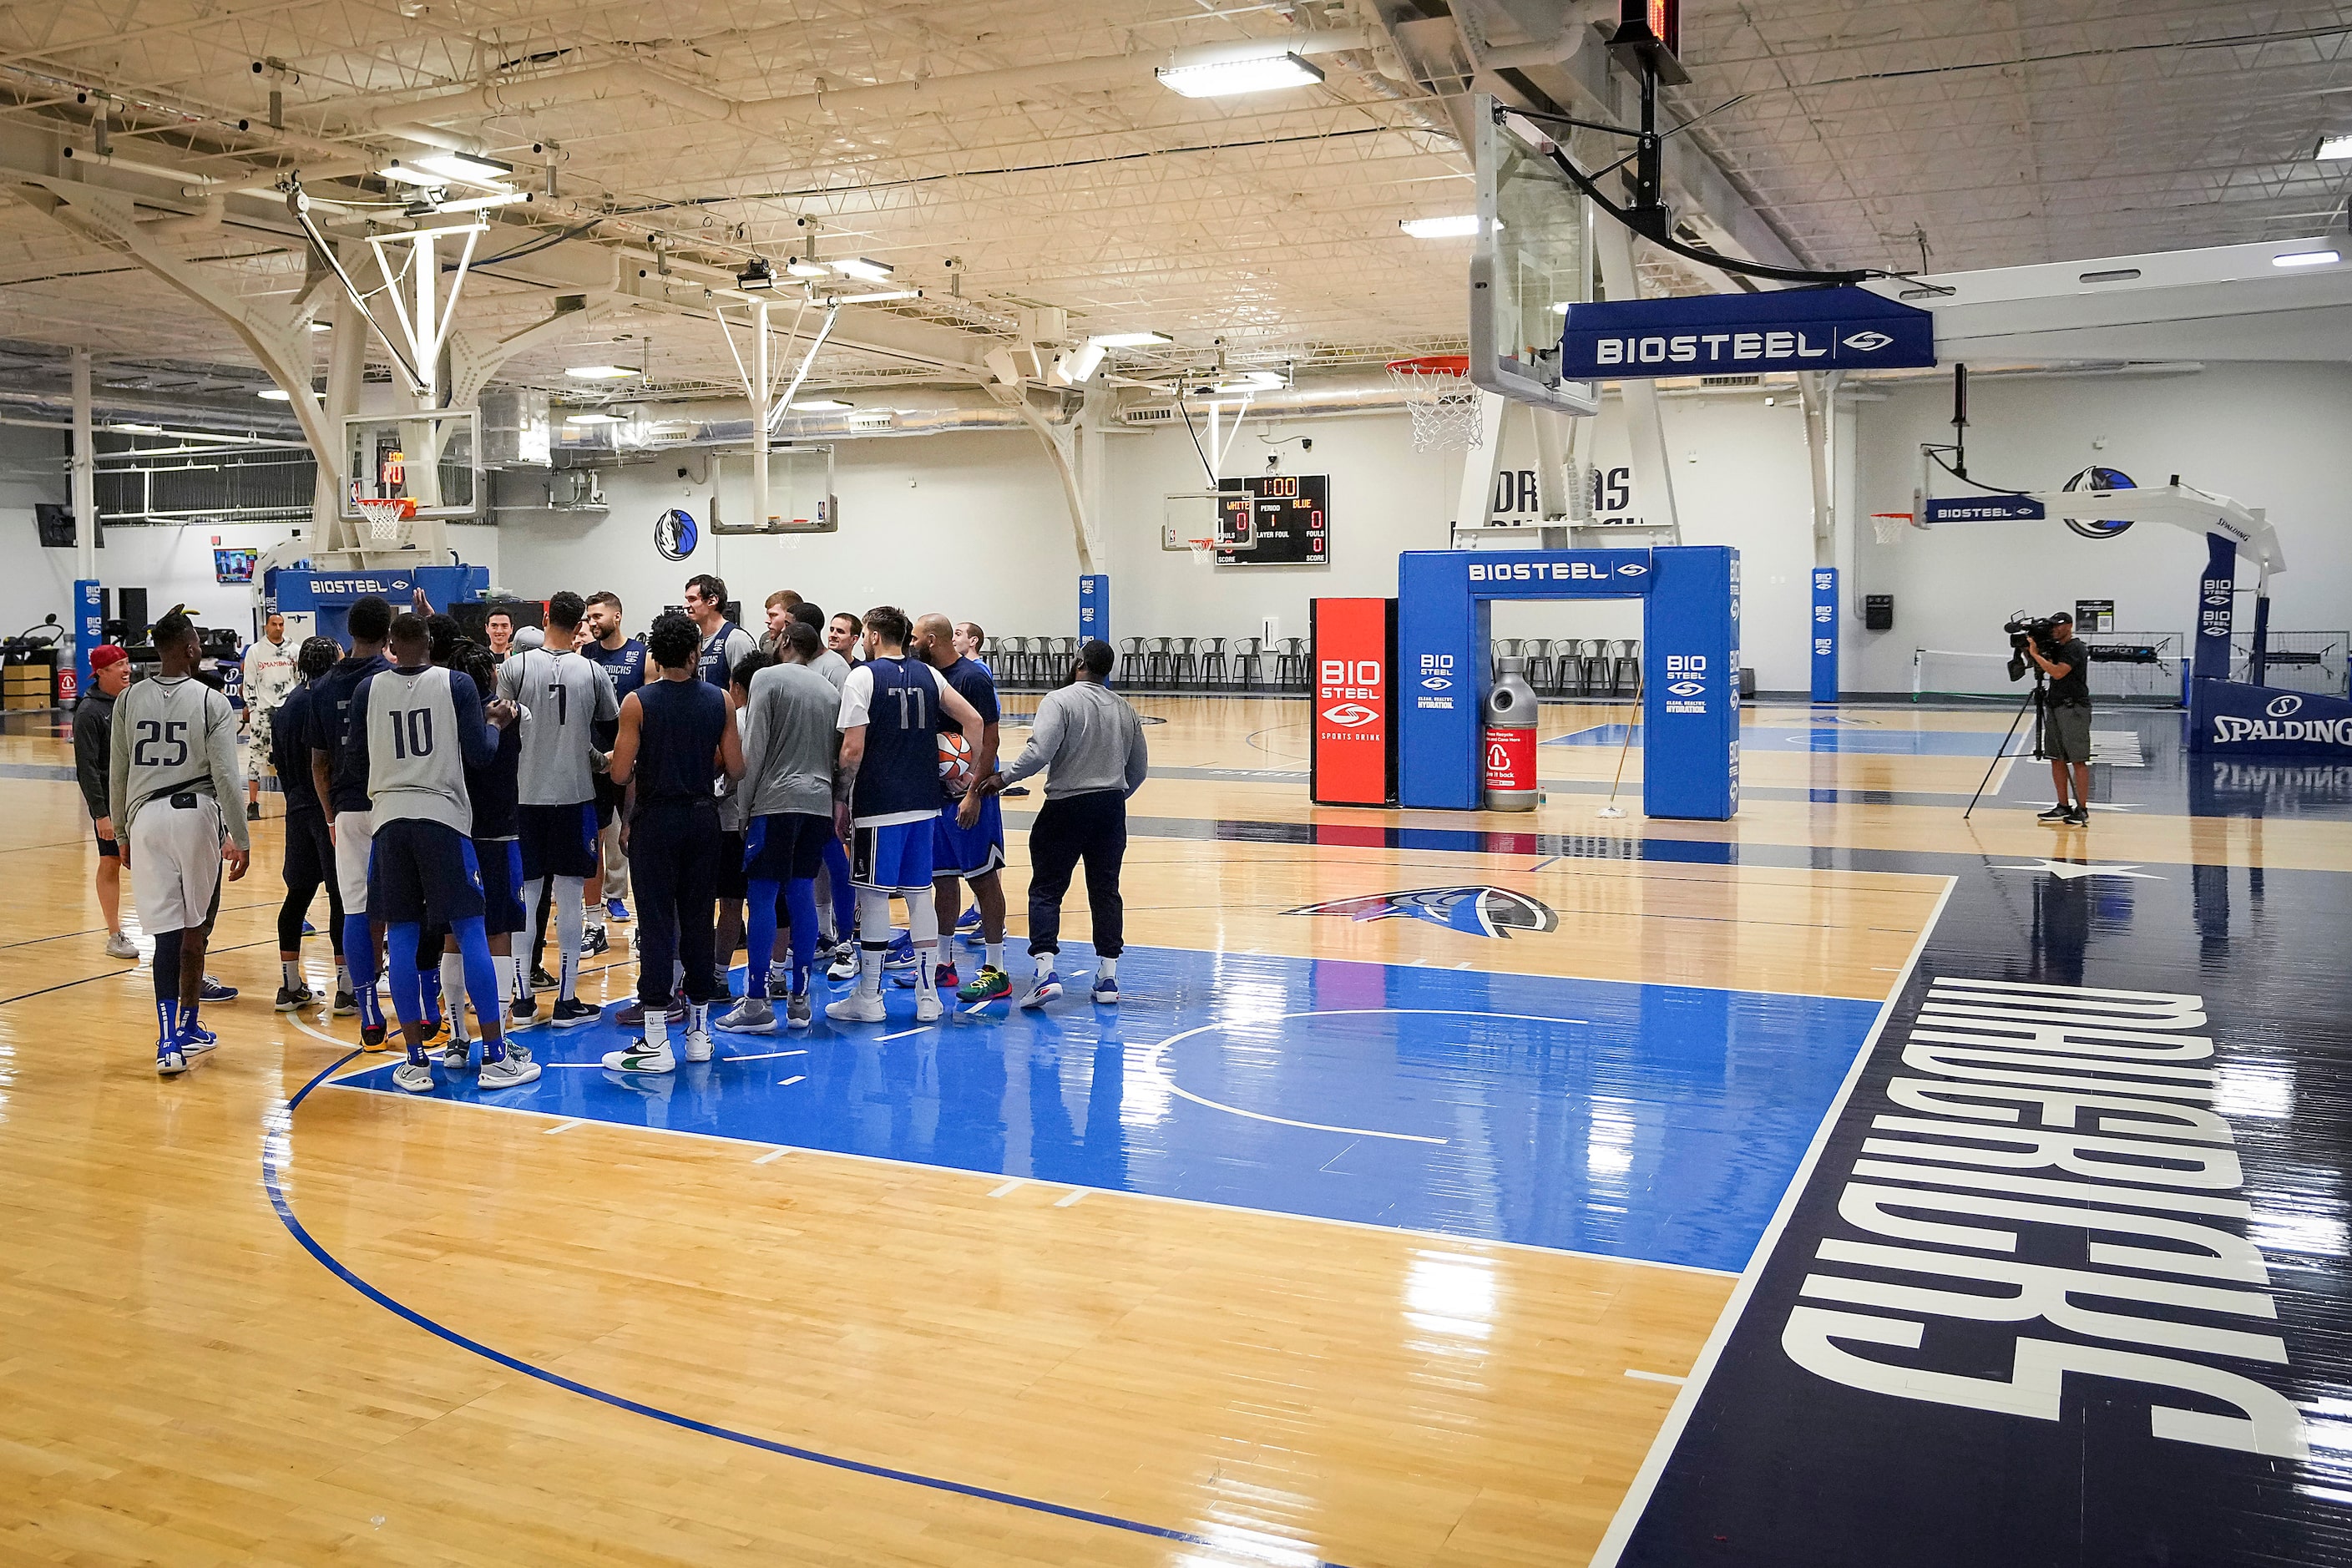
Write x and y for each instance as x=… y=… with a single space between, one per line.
x=1626 y=667
x=1183 y=671
x=1568 y=671
x=1594 y=665
x=1249 y=663
x=1290 y=664
x=1542 y=670
x=1130 y=660
x=1155 y=663
x=1212 y=663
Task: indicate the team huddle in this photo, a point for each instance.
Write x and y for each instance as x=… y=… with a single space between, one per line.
x=457 y=799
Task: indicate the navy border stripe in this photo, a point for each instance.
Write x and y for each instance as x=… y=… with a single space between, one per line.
x=1273 y=1547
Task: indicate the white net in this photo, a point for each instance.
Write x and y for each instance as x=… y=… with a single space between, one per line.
x=1889 y=525
x=382 y=524
x=1442 y=399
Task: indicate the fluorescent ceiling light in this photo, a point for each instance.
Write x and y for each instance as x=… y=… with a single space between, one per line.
x=820 y=406
x=471 y=167
x=590 y=417
x=322 y=326
x=2308 y=258
x=1461 y=226
x=1129 y=340
x=601 y=373
x=1251 y=381
x=2334 y=147
x=1225 y=79
x=859 y=266
x=275 y=394
x=410 y=174
x=886 y=297
x=137 y=429
x=805 y=267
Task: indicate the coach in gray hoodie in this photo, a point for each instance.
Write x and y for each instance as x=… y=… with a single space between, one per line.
x=1089 y=744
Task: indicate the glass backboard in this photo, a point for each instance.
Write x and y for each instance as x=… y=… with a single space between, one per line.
x=1533 y=259
x=433 y=459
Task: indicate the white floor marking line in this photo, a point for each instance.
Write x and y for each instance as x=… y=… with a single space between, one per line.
x=772 y=1156
x=1466 y=963
x=1655 y=1376
x=1013 y=1185
x=762 y=1057
x=904 y=1033
x=563 y=1126
x=1068 y=1199
x=788 y=1082
x=1654 y=1464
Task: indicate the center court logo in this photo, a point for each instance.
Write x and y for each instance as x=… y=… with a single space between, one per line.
x=1478 y=909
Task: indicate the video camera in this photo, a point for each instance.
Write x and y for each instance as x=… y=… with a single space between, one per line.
x=2024 y=631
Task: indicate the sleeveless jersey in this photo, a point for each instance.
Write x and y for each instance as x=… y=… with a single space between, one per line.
x=716 y=661
x=898 y=779
x=164 y=744
x=564 y=697
x=416 y=761
x=681 y=724
x=625 y=666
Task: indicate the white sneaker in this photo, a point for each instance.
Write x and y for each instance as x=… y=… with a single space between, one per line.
x=926 y=1005
x=798 y=1014
x=845 y=964
x=698 y=1045
x=514 y=1071
x=458 y=1054
x=121 y=946
x=642 y=1058
x=1045 y=988
x=414 y=1077
x=171 y=1063
x=857 y=1007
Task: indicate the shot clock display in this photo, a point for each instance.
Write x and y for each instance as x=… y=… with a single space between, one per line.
x=1291 y=514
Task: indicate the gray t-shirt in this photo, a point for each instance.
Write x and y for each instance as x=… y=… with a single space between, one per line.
x=790 y=741
x=562 y=695
x=170 y=734
x=833 y=666
x=1088 y=739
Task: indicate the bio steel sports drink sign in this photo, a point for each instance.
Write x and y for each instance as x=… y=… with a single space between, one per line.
x=1354 y=659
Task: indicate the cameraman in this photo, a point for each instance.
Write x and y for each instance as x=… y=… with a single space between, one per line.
x=2066 y=717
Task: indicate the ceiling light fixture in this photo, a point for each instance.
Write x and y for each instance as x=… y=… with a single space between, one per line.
x=322 y=326
x=591 y=417
x=1227 y=78
x=757 y=274
x=1129 y=340
x=411 y=175
x=889 y=297
x=1251 y=381
x=806 y=266
x=860 y=266
x=275 y=394
x=1080 y=367
x=471 y=167
x=2332 y=148
x=1461 y=226
x=820 y=406
x=2308 y=258
x=137 y=429
x=601 y=373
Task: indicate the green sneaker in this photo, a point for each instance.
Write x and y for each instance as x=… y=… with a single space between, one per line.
x=988 y=986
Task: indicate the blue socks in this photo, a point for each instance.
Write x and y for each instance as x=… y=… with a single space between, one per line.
x=482 y=984
x=400 y=940
x=359 y=963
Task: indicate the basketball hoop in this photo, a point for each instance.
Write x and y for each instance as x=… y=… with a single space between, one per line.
x=1204 y=551
x=1888 y=525
x=1444 y=404
x=385 y=521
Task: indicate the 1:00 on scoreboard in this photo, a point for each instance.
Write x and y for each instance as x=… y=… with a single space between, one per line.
x=1291 y=513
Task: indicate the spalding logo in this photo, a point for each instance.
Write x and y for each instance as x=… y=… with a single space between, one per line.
x=1349 y=715
x=1479 y=911
x=1868 y=343
x=2280 y=707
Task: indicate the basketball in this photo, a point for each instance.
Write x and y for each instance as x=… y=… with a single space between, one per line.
x=955 y=763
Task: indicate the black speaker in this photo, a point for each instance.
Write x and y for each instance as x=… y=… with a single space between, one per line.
x=133 y=604
x=1878 y=612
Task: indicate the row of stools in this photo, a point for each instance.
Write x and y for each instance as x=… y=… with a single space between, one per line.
x=1577 y=666
x=1213 y=664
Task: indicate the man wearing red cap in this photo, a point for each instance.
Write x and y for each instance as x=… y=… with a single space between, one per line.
x=93 y=730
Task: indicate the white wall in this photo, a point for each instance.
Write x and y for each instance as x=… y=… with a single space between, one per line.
x=2271 y=435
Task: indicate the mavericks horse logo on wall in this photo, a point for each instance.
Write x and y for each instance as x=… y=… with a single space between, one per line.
x=675 y=534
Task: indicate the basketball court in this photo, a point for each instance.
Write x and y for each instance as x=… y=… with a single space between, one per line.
x=1616 y=1058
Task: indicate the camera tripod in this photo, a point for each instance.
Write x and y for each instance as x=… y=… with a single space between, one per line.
x=2039 y=700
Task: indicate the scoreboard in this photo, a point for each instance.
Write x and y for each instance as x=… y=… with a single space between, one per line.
x=1290 y=514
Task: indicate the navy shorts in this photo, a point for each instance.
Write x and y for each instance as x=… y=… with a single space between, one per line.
x=894 y=857
x=557 y=840
x=732 y=883
x=608 y=800
x=422 y=871
x=969 y=852
x=786 y=847
x=499 y=860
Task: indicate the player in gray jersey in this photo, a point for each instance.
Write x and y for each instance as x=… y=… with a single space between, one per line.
x=173 y=765
x=563 y=697
x=788 y=750
x=416 y=728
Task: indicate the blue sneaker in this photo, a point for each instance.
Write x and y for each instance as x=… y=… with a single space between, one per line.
x=194 y=1039
x=615 y=910
x=1105 y=992
x=214 y=991
x=902 y=952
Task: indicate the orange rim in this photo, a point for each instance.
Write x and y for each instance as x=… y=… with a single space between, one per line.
x=1432 y=364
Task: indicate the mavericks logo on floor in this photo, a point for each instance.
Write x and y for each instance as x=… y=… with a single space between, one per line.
x=1480 y=910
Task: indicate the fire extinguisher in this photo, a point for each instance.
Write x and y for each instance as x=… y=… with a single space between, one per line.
x=1510 y=738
